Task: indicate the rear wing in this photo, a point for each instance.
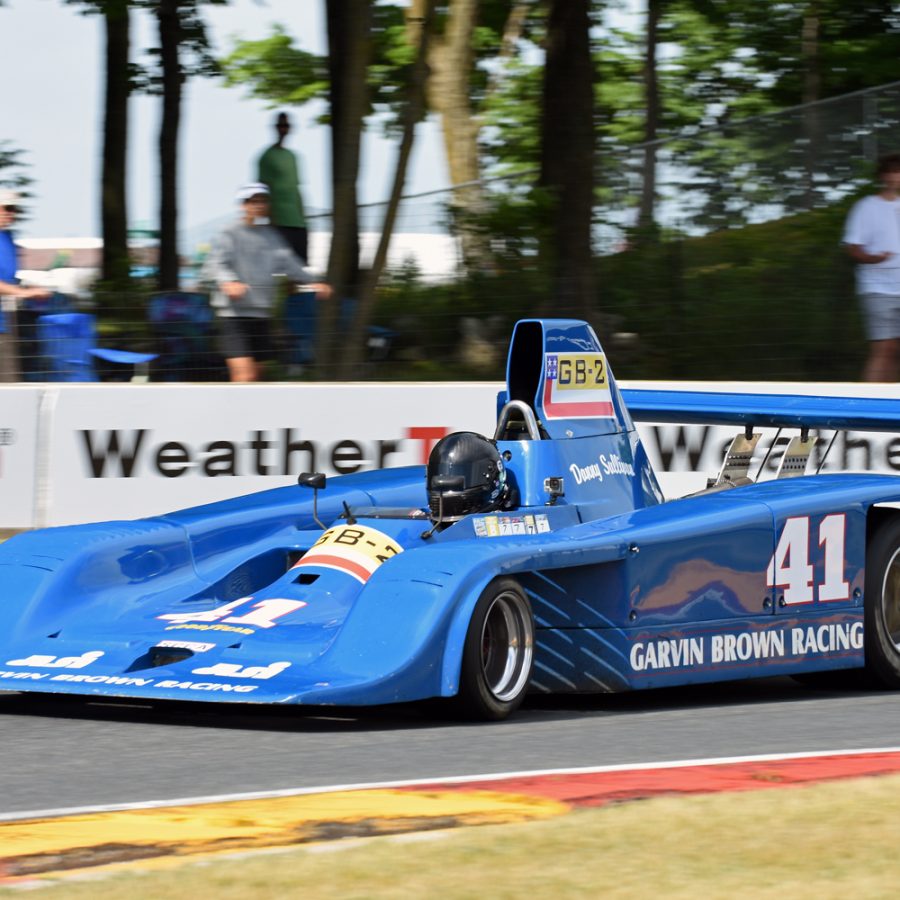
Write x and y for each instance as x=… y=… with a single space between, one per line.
x=763 y=410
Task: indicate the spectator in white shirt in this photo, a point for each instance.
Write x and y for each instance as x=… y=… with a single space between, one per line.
x=872 y=239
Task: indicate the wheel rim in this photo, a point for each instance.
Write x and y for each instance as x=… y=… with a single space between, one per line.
x=506 y=646
x=890 y=599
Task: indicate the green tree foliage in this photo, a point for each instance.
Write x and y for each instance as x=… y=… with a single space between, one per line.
x=275 y=70
x=12 y=168
x=469 y=36
x=722 y=307
x=847 y=46
x=183 y=51
x=793 y=53
x=414 y=109
x=718 y=64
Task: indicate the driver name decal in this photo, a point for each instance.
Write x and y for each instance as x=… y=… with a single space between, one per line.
x=605 y=465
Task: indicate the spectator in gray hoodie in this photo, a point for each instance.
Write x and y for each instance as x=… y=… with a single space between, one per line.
x=245 y=264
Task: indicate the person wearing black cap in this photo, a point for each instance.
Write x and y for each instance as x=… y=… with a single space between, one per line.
x=277 y=168
x=245 y=263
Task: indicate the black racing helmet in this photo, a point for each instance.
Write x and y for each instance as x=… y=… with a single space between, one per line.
x=465 y=475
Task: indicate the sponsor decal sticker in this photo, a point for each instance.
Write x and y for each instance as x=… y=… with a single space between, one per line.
x=39 y=661
x=130 y=681
x=233 y=670
x=129 y=453
x=231 y=629
x=504 y=526
x=195 y=646
x=207 y=686
x=119 y=680
x=839 y=638
x=23 y=676
x=7 y=438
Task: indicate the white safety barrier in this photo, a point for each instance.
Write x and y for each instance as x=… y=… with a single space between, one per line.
x=82 y=453
x=122 y=451
x=19 y=451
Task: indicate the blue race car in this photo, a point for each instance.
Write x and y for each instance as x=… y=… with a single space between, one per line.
x=544 y=559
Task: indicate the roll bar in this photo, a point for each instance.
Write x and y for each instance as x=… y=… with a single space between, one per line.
x=527 y=415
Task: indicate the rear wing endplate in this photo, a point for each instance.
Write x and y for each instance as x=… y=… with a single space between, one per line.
x=763 y=410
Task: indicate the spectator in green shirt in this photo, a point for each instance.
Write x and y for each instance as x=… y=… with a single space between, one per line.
x=277 y=169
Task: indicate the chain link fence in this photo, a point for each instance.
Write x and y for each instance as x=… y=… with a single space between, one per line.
x=743 y=277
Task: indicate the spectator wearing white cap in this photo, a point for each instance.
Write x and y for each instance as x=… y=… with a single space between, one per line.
x=10 y=290
x=245 y=264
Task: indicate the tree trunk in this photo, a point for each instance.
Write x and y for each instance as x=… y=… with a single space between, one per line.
x=349 y=42
x=448 y=94
x=168 y=16
x=567 y=157
x=114 y=209
x=812 y=93
x=415 y=109
x=646 y=224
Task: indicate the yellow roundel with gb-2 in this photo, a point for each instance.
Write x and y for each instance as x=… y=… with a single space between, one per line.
x=356 y=550
x=577 y=386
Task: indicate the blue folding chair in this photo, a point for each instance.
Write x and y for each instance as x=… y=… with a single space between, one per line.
x=69 y=347
x=300 y=312
x=31 y=352
x=379 y=341
x=182 y=323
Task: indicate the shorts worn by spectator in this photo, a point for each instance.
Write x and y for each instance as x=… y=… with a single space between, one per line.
x=872 y=239
x=243 y=336
x=245 y=264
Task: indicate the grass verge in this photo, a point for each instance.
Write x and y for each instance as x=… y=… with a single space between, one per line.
x=819 y=841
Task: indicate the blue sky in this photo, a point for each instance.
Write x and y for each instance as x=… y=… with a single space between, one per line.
x=52 y=110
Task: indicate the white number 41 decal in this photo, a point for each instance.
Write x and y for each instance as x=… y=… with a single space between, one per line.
x=263 y=614
x=791 y=569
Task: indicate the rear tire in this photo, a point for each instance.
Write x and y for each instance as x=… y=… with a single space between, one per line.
x=498 y=655
x=882 y=605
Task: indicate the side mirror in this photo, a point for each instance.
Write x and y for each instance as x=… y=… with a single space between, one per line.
x=316 y=481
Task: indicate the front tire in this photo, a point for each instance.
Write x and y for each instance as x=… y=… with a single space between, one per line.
x=882 y=605
x=498 y=655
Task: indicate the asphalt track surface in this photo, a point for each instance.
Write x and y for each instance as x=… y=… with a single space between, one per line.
x=61 y=755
